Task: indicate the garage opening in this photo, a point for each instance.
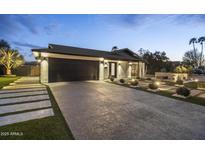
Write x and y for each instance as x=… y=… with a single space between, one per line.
x=72 y=70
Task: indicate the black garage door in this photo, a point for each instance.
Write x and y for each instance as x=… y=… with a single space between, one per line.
x=72 y=70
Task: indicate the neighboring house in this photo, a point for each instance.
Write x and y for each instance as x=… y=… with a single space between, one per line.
x=66 y=63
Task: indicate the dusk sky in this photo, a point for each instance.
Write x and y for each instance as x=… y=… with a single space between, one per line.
x=169 y=33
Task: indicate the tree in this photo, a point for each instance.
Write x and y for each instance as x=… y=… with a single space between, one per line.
x=4 y=44
x=192 y=58
x=156 y=61
x=201 y=40
x=10 y=59
x=193 y=41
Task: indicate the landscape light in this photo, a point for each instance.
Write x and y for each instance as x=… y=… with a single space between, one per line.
x=196 y=80
x=157 y=83
x=133 y=80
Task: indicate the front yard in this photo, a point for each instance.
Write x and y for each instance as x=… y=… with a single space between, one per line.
x=4 y=81
x=48 y=128
x=168 y=89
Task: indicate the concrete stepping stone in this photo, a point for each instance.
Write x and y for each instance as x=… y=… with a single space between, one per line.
x=23 y=86
x=195 y=92
x=29 y=93
x=21 y=90
x=202 y=95
x=23 y=99
x=23 y=107
x=21 y=117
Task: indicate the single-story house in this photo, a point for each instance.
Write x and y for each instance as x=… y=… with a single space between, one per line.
x=66 y=63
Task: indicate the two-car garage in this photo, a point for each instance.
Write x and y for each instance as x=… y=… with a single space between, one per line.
x=72 y=70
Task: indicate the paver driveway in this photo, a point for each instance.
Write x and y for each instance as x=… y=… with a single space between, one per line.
x=97 y=110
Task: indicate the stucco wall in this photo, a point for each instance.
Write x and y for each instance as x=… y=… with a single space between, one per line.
x=44 y=71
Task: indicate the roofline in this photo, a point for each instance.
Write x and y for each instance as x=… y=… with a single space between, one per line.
x=53 y=51
x=90 y=56
x=76 y=47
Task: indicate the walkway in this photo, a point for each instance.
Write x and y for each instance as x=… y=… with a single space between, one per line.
x=25 y=99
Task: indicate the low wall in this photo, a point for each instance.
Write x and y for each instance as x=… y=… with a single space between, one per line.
x=171 y=76
x=27 y=70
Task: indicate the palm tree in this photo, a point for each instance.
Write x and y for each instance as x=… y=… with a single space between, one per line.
x=201 y=40
x=193 y=41
x=10 y=59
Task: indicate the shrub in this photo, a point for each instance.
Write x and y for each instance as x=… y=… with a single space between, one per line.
x=180 y=82
x=122 y=81
x=134 y=82
x=112 y=78
x=153 y=86
x=183 y=91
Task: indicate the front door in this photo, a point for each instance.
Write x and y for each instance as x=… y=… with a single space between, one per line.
x=113 y=69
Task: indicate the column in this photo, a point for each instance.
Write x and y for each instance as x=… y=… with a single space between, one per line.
x=101 y=70
x=44 y=71
x=129 y=70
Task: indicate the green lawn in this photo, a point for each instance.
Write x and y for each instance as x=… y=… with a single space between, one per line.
x=4 y=81
x=50 y=128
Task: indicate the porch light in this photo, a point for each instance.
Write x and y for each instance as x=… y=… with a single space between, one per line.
x=119 y=62
x=39 y=60
x=130 y=63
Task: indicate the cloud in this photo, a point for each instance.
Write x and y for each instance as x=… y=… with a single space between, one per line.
x=51 y=28
x=24 y=44
x=141 y=20
x=10 y=25
x=27 y=21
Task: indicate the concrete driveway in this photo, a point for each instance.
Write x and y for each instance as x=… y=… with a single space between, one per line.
x=98 y=110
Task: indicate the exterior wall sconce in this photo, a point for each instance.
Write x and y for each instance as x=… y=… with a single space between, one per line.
x=119 y=62
x=130 y=63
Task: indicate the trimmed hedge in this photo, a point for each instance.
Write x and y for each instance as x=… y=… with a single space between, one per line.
x=180 y=82
x=183 y=91
x=112 y=78
x=153 y=86
x=134 y=82
x=122 y=81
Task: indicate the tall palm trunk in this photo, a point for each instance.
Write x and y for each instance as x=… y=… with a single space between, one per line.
x=195 y=53
x=201 y=57
x=8 y=71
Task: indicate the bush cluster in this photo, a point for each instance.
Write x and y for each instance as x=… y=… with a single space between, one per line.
x=112 y=78
x=153 y=86
x=183 y=91
x=180 y=82
x=122 y=81
x=134 y=82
